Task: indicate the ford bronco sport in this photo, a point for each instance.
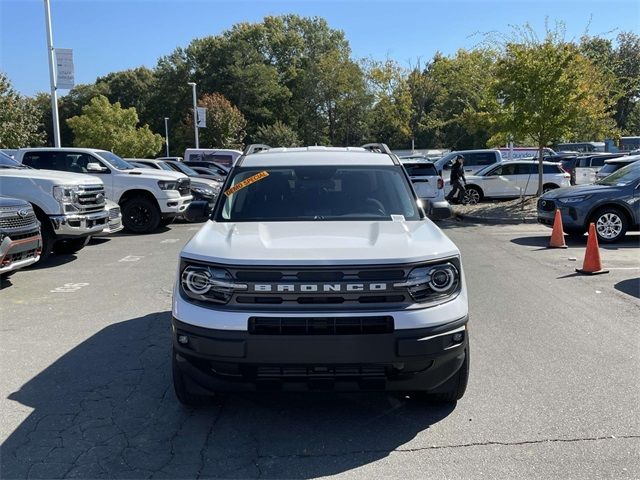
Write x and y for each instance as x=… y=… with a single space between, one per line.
x=319 y=270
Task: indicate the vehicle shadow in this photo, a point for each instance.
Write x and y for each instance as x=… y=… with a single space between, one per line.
x=106 y=409
x=630 y=286
x=53 y=260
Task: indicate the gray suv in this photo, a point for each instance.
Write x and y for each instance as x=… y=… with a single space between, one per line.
x=612 y=203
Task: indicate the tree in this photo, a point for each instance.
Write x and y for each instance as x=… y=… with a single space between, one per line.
x=549 y=91
x=277 y=134
x=111 y=127
x=131 y=88
x=19 y=119
x=225 y=123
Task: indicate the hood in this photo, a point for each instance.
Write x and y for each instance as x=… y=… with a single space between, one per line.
x=577 y=191
x=6 y=202
x=205 y=183
x=56 y=177
x=154 y=173
x=319 y=243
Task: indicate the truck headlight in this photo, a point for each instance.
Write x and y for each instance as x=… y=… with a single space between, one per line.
x=168 y=185
x=208 y=284
x=66 y=193
x=205 y=192
x=433 y=283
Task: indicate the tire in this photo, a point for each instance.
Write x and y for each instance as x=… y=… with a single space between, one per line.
x=455 y=386
x=547 y=187
x=473 y=196
x=70 y=245
x=611 y=224
x=48 y=238
x=184 y=396
x=140 y=215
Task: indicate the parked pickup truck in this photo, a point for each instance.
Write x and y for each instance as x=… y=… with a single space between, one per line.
x=20 y=240
x=70 y=207
x=318 y=270
x=148 y=198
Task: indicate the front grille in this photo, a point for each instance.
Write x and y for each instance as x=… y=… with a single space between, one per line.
x=91 y=198
x=546 y=205
x=114 y=213
x=320 y=371
x=184 y=186
x=320 y=325
x=15 y=221
x=20 y=236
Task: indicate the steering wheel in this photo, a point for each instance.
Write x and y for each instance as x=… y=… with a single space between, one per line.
x=377 y=205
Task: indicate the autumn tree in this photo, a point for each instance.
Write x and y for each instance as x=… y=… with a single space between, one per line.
x=548 y=90
x=225 y=123
x=111 y=127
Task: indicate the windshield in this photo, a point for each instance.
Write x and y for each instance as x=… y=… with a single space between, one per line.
x=7 y=162
x=484 y=170
x=164 y=166
x=115 y=161
x=622 y=177
x=181 y=167
x=317 y=193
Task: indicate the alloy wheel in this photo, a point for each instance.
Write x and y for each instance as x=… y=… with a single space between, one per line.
x=609 y=225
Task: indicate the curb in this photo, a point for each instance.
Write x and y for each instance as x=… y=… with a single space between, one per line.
x=496 y=220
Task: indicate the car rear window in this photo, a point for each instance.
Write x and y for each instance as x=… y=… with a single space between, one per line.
x=421 y=169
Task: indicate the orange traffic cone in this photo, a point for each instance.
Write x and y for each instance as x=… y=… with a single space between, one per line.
x=592 y=264
x=557 y=235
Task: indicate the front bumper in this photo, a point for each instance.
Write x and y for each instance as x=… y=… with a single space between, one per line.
x=438 y=209
x=174 y=204
x=79 y=225
x=572 y=217
x=403 y=360
x=20 y=253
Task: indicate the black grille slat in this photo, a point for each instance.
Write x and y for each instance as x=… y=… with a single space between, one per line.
x=314 y=371
x=16 y=221
x=320 y=325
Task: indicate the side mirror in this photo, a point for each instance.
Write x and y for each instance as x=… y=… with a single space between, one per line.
x=95 y=167
x=197 y=212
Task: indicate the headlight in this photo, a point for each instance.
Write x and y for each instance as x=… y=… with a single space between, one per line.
x=573 y=199
x=168 y=185
x=433 y=283
x=208 y=284
x=66 y=193
x=206 y=192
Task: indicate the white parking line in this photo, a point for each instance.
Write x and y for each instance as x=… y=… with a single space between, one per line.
x=69 y=288
x=170 y=240
x=191 y=229
x=131 y=258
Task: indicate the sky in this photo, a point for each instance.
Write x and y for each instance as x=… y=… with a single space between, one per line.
x=112 y=35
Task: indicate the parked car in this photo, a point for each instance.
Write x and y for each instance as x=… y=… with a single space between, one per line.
x=612 y=203
x=20 y=239
x=512 y=179
x=212 y=169
x=584 y=168
x=148 y=198
x=319 y=271
x=203 y=188
x=69 y=206
x=199 y=157
x=615 y=164
x=474 y=160
x=429 y=187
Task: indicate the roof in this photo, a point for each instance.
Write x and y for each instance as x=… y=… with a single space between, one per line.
x=628 y=159
x=316 y=156
x=62 y=149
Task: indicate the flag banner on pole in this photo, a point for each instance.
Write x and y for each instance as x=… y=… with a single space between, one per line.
x=202 y=117
x=64 y=68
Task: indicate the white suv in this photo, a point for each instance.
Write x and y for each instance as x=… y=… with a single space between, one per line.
x=319 y=270
x=148 y=198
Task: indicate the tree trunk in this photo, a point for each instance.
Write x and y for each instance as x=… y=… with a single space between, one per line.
x=540 y=168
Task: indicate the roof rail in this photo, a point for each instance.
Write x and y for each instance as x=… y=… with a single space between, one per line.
x=377 y=148
x=255 y=148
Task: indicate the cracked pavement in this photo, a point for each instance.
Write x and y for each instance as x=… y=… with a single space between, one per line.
x=86 y=386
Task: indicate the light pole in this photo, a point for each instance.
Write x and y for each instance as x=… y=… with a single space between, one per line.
x=195 y=113
x=166 y=133
x=52 y=75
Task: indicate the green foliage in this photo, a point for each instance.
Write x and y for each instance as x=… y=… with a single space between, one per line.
x=19 y=119
x=277 y=134
x=111 y=127
x=225 y=124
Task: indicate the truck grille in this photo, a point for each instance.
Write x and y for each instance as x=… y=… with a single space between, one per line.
x=114 y=213
x=184 y=186
x=14 y=221
x=306 y=288
x=91 y=198
x=320 y=325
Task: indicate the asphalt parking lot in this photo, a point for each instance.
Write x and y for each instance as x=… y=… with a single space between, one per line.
x=86 y=389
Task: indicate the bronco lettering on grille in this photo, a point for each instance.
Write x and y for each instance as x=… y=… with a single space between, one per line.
x=320 y=287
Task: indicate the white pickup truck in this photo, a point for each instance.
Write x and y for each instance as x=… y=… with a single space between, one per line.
x=319 y=270
x=148 y=198
x=70 y=207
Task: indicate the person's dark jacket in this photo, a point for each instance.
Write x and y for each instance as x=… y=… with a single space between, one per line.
x=457 y=173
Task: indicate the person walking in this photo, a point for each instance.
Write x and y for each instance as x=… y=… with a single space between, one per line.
x=456 y=179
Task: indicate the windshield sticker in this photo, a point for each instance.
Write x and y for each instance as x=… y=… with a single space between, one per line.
x=397 y=218
x=246 y=182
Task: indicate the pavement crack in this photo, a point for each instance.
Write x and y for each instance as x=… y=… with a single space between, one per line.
x=207 y=438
